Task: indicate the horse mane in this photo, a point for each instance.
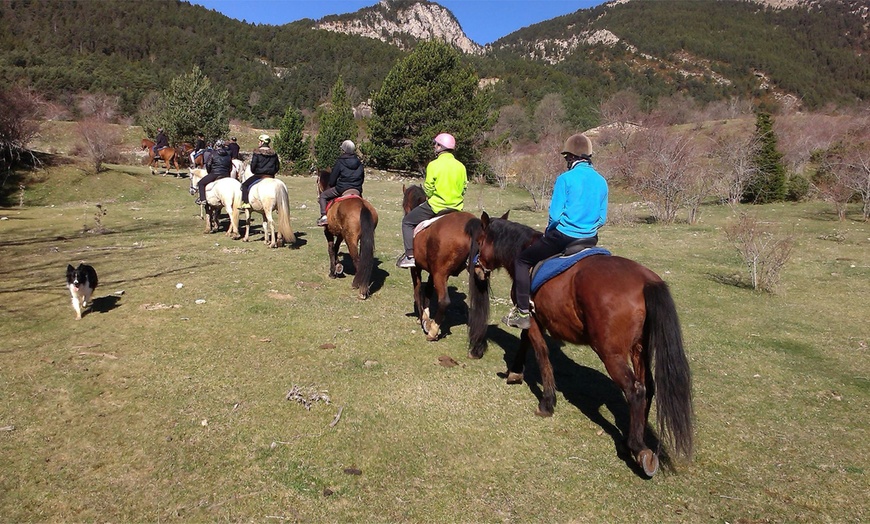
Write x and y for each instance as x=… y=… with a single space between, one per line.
x=414 y=196
x=323 y=179
x=508 y=240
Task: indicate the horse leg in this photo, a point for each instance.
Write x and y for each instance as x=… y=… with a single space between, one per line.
x=548 y=382
x=632 y=384
x=417 y=281
x=352 y=244
x=440 y=281
x=332 y=250
x=515 y=371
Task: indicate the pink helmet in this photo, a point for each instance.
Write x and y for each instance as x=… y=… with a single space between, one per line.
x=446 y=141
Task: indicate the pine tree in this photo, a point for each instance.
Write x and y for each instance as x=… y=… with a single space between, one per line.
x=429 y=92
x=769 y=182
x=190 y=105
x=290 y=144
x=336 y=126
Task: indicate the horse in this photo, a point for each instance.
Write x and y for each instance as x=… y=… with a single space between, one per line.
x=445 y=249
x=621 y=309
x=351 y=219
x=224 y=192
x=167 y=154
x=238 y=169
x=267 y=195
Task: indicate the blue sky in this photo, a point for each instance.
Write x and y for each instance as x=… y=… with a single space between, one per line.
x=484 y=21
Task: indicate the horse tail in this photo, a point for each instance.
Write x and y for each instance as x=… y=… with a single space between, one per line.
x=282 y=202
x=478 y=296
x=366 y=250
x=673 y=380
x=236 y=204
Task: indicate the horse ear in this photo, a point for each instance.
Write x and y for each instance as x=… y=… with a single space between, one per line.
x=403 y=188
x=484 y=220
x=506 y=213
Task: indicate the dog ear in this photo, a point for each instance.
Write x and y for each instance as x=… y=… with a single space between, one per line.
x=69 y=268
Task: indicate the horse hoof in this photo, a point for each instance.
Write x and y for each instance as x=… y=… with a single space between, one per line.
x=432 y=331
x=648 y=460
x=515 y=378
x=339 y=269
x=426 y=317
x=362 y=296
x=543 y=413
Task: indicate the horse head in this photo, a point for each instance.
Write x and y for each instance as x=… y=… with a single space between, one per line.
x=413 y=196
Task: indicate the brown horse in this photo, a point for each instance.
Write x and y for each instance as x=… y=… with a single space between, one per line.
x=445 y=249
x=625 y=313
x=167 y=154
x=352 y=220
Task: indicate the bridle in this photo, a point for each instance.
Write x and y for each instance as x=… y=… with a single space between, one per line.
x=478 y=264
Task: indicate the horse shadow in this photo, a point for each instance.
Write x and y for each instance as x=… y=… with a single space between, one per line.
x=585 y=388
x=105 y=304
x=379 y=275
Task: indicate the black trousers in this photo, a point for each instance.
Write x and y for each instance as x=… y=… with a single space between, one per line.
x=325 y=197
x=206 y=180
x=552 y=243
x=246 y=185
x=414 y=217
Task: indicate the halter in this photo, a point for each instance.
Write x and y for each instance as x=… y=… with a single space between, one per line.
x=478 y=263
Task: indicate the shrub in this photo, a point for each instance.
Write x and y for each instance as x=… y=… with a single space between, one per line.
x=764 y=253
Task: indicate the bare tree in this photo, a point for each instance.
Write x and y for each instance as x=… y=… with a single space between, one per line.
x=667 y=165
x=98 y=140
x=764 y=253
x=549 y=117
x=621 y=117
x=99 y=106
x=537 y=172
x=734 y=164
x=18 y=124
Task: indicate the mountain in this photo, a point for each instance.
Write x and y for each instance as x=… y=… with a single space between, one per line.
x=812 y=53
x=403 y=23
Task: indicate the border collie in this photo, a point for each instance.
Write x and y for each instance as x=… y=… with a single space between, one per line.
x=82 y=282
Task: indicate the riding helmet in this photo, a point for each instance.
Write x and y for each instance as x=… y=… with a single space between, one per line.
x=578 y=145
x=446 y=141
x=264 y=139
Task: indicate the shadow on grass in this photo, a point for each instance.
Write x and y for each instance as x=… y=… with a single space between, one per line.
x=105 y=304
x=585 y=388
x=457 y=310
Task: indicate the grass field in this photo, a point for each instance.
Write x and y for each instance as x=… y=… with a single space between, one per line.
x=155 y=407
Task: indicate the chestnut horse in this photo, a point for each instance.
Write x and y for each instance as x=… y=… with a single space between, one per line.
x=353 y=220
x=167 y=154
x=444 y=249
x=626 y=314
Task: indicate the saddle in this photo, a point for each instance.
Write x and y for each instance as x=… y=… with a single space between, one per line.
x=428 y=222
x=350 y=193
x=558 y=264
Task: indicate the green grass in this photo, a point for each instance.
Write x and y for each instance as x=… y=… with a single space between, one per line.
x=143 y=411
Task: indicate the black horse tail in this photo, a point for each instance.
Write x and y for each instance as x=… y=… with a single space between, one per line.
x=363 y=276
x=673 y=379
x=478 y=296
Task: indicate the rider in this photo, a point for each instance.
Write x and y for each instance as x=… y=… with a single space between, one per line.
x=160 y=141
x=264 y=163
x=218 y=166
x=348 y=173
x=446 y=180
x=233 y=147
x=198 y=148
x=578 y=208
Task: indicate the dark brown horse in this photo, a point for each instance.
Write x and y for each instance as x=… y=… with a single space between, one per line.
x=625 y=313
x=352 y=220
x=445 y=249
x=167 y=154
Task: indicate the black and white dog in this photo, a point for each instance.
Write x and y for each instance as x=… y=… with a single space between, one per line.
x=82 y=282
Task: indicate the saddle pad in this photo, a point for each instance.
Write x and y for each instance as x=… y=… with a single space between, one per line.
x=426 y=223
x=556 y=265
x=339 y=199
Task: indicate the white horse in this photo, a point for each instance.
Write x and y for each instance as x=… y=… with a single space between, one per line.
x=267 y=195
x=238 y=170
x=224 y=192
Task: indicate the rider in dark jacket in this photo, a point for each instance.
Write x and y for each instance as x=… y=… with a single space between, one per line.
x=219 y=166
x=160 y=141
x=233 y=147
x=264 y=163
x=348 y=173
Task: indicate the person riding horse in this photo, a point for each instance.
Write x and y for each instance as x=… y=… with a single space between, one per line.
x=198 y=148
x=348 y=173
x=233 y=148
x=264 y=164
x=219 y=166
x=578 y=208
x=445 y=184
x=160 y=141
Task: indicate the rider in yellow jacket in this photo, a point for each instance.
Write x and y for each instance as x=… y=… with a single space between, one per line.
x=445 y=184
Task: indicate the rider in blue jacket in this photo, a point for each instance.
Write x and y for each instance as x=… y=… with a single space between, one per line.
x=577 y=209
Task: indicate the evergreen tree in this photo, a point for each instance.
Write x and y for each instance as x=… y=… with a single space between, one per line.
x=429 y=92
x=190 y=106
x=290 y=143
x=336 y=126
x=769 y=182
